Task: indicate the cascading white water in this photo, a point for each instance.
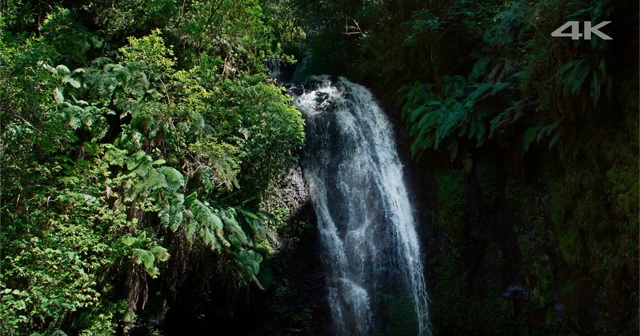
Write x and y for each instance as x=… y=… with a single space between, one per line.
x=366 y=223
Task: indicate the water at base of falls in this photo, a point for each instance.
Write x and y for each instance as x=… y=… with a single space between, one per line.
x=367 y=228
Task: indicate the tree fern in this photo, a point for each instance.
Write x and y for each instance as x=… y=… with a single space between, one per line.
x=574 y=74
x=172 y=214
x=454 y=114
x=453 y=86
x=233 y=229
x=173 y=178
x=255 y=221
x=483 y=91
x=206 y=222
x=249 y=263
x=506 y=118
x=152 y=182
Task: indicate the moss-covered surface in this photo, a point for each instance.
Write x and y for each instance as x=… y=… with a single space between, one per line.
x=553 y=255
x=399 y=315
x=487 y=173
x=451 y=205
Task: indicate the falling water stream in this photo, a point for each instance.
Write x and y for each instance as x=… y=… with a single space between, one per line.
x=367 y=228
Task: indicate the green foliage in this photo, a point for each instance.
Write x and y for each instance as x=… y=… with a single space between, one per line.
x=270 y=125
x=401 y=313
x=594 y=236
x=151 y=51
x=453 y=111
x=536 y=241
x=61 y=30
x=67 y=253
x=456 y=312
x=124 y=168
x=132 y=17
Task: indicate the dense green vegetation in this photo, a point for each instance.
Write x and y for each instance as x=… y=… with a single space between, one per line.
x=142 y=145
x=528 y=146
x=137 y=137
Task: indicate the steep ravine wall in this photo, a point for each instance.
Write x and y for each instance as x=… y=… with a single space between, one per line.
x=491 y=262
x=294 y=303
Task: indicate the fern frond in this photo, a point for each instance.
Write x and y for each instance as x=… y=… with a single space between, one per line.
x=507 y=117
x=528 y=137
x=483 y=91
x=574 y=74
x=453 y=86
x=173 y=178
x=256 y=223
x=579 y=75
x=479 y=69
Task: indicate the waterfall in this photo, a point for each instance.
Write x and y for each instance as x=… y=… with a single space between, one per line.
x=366 y=224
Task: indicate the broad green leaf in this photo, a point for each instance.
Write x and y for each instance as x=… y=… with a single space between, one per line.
x=129 y=241
x=160 y=253
x=71 y=82
x=57 y=95
x=62 y=70
x=528 y=137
